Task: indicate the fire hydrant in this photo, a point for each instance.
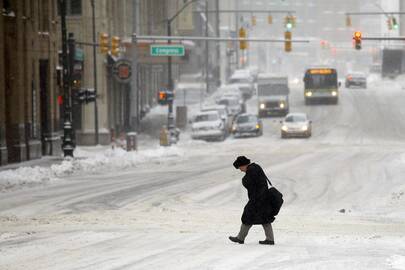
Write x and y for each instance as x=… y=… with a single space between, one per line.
x=164 y=137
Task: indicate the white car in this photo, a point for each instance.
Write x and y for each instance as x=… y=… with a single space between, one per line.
x=208 y=126
x=296 y=125
x=223 y=113
x=233 y=104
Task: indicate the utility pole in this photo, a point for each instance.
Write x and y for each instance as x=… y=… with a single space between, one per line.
x=207 y=89
x=67 y=144
x=237 y=31
x=218 y=48
x=96 y=137
x=134 y=70
x=170 y=117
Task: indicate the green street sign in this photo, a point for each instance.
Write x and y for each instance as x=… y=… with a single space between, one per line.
x=167 y=50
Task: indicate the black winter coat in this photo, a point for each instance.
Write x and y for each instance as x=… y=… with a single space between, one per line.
x=256 y=211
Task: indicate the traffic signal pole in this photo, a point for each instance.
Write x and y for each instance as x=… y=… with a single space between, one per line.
x=96 y=138
x=68 y=145
x=170 y=117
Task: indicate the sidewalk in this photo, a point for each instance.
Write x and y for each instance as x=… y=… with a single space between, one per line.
x=147 y=139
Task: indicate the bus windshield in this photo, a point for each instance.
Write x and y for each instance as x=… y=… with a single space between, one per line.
x=313 y=81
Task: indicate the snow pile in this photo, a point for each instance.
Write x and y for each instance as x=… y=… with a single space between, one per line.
x=93 y=160
x=24 y=176
x=397 y=261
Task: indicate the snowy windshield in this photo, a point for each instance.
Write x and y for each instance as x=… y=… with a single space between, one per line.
x=246 y=119
x=295 y=118
x=206 y=117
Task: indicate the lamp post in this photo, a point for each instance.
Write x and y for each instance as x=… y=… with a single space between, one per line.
x=67 y=144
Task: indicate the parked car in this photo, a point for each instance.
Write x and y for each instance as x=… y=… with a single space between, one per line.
x=231 y=91
x=208 y=126
x=247 y=125
x=223 y=113
x=244 y=80
x=296 y=125
x=356 y=79
x=232 y=103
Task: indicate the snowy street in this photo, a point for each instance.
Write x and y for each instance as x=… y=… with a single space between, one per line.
x=174 y=208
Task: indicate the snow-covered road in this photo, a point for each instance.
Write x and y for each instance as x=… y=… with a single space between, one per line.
x=344 y=200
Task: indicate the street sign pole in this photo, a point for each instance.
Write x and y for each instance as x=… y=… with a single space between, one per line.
x=170 y=117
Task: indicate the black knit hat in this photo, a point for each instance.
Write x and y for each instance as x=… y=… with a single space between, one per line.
x=240 y=161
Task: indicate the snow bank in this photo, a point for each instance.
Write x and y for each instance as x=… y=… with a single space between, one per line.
x=87 y=160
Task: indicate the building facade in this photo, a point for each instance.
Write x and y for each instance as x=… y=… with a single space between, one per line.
x=29 y=112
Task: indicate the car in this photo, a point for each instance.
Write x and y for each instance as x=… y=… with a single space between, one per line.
x=356 y=79
x=245 y=82
x=208 y=126
x=232 y=103
x=296 y=125
x=247 y=125
x=223 y=113
x=231 y=91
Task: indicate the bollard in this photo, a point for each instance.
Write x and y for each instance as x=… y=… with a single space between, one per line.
x=132 y=141
x=164 y=137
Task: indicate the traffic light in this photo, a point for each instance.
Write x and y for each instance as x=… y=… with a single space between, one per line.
x=90 y=95
x=242 y=43
x=348 y=21
x=76 y=79
x=269 y=19
x=288 y=22
x=324 y=44
x=253 y=20
x=103 y=42
x=357 y=40
x=115 y=46
x=162 y=97
x=165 y=96
x=287 y=41
x=79 y=95
x=84 y=95
x=394 y=23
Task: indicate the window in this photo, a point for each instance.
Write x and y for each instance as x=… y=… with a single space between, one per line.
x=73 y=7
x=206 y=117
x=44 y=22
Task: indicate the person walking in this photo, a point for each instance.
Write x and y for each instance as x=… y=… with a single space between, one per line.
x=256 y=210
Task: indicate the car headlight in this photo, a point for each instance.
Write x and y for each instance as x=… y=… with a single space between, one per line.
x=305 y=128
x=334 y=93
x=257 y=126
x=234 y=128
x=308 y=94
x=284 y=128
x=262 y=106
x=282 y=105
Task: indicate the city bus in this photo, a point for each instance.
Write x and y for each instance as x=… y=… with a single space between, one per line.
x=321 y=84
